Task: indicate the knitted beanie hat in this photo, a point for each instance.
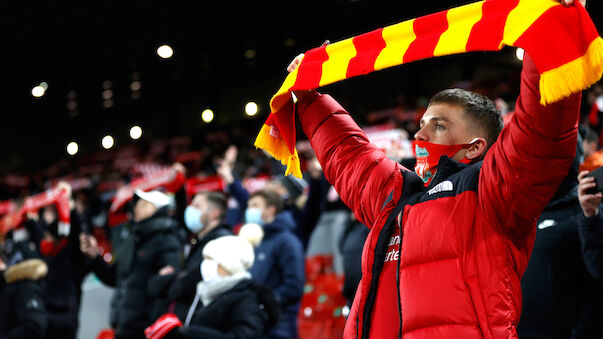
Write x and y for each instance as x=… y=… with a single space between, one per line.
x=234 y=252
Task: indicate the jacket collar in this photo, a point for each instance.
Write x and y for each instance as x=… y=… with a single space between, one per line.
x=446 y=168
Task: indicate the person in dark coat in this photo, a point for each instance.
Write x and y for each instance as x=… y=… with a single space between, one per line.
x=228 y=302
x=557 y=289
x=21 y=305
x=152 y=248
x=351 y=243
x=67 y=268
x=279 y=262
x=204 y=218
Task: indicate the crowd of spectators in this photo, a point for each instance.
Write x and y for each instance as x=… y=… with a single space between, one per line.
x=204 y=237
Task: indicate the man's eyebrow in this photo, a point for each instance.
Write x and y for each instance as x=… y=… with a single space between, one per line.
x=436 y=118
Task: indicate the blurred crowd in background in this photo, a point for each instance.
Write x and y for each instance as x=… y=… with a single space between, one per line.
x=203 y=236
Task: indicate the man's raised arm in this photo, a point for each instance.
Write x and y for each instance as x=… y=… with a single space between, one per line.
x=532 y=155
x=360 y=172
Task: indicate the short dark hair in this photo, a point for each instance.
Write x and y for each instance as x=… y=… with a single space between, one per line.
x=271 y=198
x=479 y=109
x=591 y=136
x=217 y=200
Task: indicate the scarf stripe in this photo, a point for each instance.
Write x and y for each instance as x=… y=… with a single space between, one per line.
x=428 y=30
x=487 y=33
x=563 y=43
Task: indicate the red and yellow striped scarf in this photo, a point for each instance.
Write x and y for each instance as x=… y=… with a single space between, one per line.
x=562 y=41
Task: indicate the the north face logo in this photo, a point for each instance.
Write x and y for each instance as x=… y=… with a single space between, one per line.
x=441 y=187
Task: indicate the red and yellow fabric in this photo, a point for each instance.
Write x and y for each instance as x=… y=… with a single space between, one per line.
x=562 y=41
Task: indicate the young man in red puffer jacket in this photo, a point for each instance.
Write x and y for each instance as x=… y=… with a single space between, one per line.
x=447 y=244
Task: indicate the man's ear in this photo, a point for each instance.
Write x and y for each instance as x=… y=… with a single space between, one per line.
x=477 y=150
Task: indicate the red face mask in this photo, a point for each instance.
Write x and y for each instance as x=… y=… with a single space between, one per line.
x=428 y=155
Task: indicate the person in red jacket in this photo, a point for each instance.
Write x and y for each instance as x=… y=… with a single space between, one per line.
x=448 y=243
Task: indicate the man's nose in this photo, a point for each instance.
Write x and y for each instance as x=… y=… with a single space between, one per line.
x=421 y=135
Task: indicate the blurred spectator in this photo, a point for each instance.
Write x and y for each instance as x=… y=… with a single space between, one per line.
x=152 y=248
x=591 y=225
x=351 y=244
x=228 y=302
x=593 y=157
x=556 y=287
x=279 y=259
x=204 y=218
x=21 y=306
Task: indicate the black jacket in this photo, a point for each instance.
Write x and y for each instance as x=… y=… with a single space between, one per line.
x=62 y=285
x=558 y=293
x=151 y=245
x=246 y=311
x=22 y=312
x=179 y=288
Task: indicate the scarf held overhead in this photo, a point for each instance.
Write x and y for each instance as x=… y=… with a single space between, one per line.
x=562 y=41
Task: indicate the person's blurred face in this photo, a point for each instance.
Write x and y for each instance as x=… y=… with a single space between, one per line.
x=208 y=214
x=589 y=148
x=49 y=214
x=444 y=124
x=143 y=210
x=268 y=213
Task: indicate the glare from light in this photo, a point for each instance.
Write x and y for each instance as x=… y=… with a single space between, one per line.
x=107 y=142
x=135 y=85
x=107 y=94
x=519 y=53
x=135 y=132
x=251 y=108
x=207 y=116
x=250 y=53
x=165 y=51
x=44 y=85
x=72 y=148
x=38 y=91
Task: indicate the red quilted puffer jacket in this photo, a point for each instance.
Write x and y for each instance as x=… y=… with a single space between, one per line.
x=467 y=238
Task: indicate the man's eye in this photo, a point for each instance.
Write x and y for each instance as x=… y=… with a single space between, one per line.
x=439 y=127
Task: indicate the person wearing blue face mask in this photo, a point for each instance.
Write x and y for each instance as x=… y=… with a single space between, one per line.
x=279 y=258
x=204 y=218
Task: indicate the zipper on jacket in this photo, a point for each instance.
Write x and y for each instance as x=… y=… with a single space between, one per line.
x=398 y=281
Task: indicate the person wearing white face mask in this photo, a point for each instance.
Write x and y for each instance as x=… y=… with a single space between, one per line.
x=204 y=218
x=228 y=302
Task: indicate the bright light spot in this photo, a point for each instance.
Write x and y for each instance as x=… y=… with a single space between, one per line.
x=307 y=312
x=135 y=85
x=44 y=85
x=250 y=54
x=72 y=148
x=345 y=310
x=519 y=53
x=135 y=132
x=207 y=115
x=165 y=51
x=251 y=108
x=107 y=142
x=107 y=94
x=38 y=91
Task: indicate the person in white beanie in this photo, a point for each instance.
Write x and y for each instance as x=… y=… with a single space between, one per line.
x=228 y=302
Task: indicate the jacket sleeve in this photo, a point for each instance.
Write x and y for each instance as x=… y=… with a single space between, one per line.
x=361 y=173
x=290 y=263
x=30 y=313
x=591 y=241
x=532 y=155
x=107 y=273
